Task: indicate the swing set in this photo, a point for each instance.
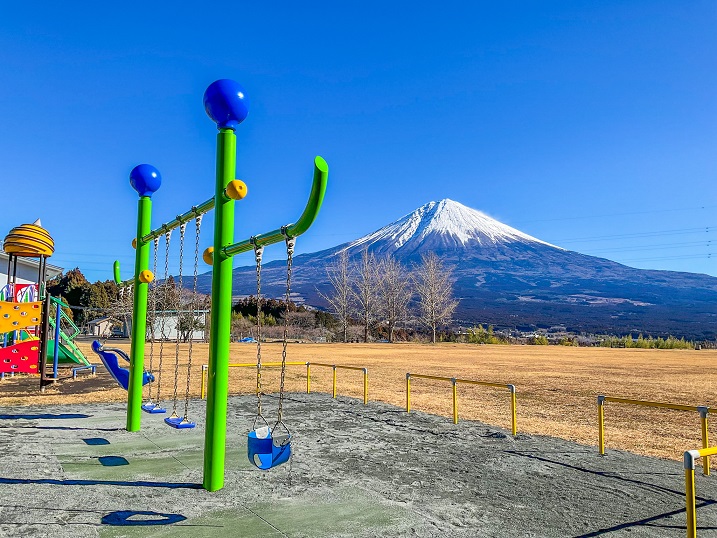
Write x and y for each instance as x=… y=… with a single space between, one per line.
x=267 y=447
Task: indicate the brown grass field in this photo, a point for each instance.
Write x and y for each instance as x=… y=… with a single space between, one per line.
x=557 y=386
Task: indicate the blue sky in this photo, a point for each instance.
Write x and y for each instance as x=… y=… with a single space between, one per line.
x=591 y=125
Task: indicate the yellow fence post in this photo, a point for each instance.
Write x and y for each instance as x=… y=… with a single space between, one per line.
x=203 y=390
x=690 y=457
x=408 y=393
x=308 y=377
x=513 y=411
x=365 y=386
x=690 y=502
x=455 y=401
x=334 y=382
x=704 y=411
x=601 y=423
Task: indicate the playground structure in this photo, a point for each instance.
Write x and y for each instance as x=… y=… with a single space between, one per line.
x=30 y=319
x=454 y=383
x=701 y=409
x=226 y=105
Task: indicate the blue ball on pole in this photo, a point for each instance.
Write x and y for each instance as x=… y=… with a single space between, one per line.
x=145 y=179
x=226 y=103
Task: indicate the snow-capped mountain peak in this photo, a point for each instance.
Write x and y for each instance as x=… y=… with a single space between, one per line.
x=449 y=223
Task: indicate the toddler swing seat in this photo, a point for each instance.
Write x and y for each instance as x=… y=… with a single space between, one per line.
x=266 y=451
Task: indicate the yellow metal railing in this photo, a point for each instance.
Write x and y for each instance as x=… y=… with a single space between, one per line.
x=335 y=367
x=701 y=409
x=690 y=457
x=454 y=382
x=203 y=389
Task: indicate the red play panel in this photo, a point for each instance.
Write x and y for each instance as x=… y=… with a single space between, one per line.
x=20 y=358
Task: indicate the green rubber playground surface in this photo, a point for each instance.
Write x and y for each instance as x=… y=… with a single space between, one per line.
x=357 y=471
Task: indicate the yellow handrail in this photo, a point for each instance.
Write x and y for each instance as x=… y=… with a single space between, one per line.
x=454 y=382
x=690 y=457
x=335 y=367
x=701 y=409
x=203 y=389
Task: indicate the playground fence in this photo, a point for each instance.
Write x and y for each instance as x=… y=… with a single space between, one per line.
x=690 y=497
x=335 y=367
x=701 y=409
x=454 y=382
x=205 y=367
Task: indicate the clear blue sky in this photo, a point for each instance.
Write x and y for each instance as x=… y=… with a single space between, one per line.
x=591 y=125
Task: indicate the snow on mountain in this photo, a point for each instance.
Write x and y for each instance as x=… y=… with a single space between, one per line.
x=456 y=224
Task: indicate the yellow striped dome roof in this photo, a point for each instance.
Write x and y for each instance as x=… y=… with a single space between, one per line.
x=29 y=241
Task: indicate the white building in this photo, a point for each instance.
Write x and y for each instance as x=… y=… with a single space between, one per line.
x=165 y=326
x=27 y=273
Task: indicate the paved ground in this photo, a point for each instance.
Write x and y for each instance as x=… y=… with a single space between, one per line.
x=357 y=471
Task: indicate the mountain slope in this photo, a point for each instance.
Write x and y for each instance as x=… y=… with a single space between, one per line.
x=510 y=279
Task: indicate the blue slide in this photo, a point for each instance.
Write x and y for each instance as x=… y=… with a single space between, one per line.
x=109 y=359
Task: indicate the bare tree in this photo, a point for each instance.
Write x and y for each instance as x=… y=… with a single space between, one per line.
x=341 y=297
x=394 y=294
x=365 y=291
x=432 y=282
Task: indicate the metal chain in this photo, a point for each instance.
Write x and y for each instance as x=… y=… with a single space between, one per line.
x=153 y=318
x=193 y=308
x=290 y=244
x=182 y=230
x=163 y=322
x=258 y=251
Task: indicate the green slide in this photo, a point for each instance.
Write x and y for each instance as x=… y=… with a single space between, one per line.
x=68 y=351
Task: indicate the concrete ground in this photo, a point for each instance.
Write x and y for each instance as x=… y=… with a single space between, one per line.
x=357 y=471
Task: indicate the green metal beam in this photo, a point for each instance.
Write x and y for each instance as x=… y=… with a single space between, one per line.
x=316 y=198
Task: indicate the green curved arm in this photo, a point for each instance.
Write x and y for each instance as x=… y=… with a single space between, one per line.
x=116 y=267
x=316 y=198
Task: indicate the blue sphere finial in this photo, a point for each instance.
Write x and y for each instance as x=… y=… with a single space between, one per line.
x=145 y=179
x=226 y=103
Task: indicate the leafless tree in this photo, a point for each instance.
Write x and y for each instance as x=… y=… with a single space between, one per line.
x=340 y=298
x=365 y=291
x=394 y=293
x=432 y=282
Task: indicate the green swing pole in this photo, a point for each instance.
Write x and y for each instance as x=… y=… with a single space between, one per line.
x=218 y=369
x=145 y=179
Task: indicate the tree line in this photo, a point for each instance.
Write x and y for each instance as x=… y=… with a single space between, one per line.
x=383 y=293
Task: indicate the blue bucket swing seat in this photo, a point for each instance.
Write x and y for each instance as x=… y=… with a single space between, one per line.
x=267 y=448
x=270 y=447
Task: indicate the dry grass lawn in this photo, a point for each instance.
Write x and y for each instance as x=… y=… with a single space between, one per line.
x=557 y=386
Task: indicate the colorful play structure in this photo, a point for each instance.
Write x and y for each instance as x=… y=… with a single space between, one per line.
x=226 y=104
x=35 y=330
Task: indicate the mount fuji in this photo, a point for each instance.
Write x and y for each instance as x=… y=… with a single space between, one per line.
x=509 y=279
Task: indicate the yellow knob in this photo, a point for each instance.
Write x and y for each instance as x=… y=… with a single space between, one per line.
x=236 y=190
x=146 y=276
x=134 y=243
x=208 y=256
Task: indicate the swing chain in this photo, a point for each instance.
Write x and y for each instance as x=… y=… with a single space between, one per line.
x=153 y=317
x=182 y=230
x=163 y=322
x=290 y=244
x=258 y=252
x=193 y=306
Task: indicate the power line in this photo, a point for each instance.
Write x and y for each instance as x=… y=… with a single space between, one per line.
x=660 y=233
x=653 y=211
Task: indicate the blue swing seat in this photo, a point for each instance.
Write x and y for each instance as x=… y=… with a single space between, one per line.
x=178 y=422
x=264 y=453
x=153 y=408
